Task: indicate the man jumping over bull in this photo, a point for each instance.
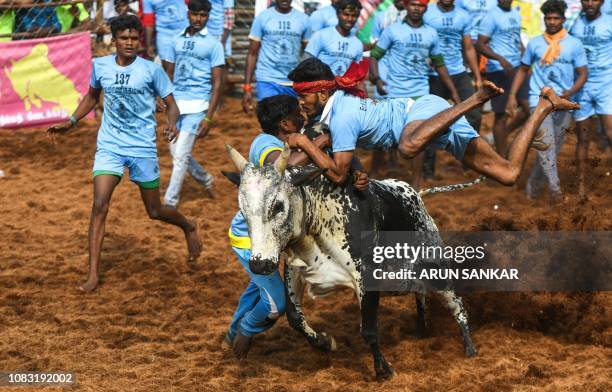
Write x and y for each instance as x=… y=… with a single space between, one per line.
x=406 y=124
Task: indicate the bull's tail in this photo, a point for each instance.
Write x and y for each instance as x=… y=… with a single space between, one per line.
x=449 y=188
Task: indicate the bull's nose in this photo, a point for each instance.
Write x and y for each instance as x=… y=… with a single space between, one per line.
x=262 y=266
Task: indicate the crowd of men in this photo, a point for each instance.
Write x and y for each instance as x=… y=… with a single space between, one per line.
x=308 y=69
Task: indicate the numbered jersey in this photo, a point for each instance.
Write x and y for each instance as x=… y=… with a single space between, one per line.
x=596 y=36
x=334 y=49
x=128 y=124
x=451 y=27
x=504 y=30
x=170 y=15
x=408 y=50
x=477 y=9
x=281 y=37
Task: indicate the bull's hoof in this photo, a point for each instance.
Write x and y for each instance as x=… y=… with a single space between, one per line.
x=470 y=351
x=325 y=343
x=386 y=372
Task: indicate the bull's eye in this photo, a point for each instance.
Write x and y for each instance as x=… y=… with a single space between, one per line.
x=277 y=209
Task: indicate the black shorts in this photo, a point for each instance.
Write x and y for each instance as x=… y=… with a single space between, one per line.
x=500 y=79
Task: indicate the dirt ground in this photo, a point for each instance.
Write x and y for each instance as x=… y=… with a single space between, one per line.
x=156 y=325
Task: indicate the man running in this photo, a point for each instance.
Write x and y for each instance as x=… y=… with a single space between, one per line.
x=196 y=59
x=555 y=57
x=127 y=135
x=594 y=29
x=408 y=125
x=336 y=46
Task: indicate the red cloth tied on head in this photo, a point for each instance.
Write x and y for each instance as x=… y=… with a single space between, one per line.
x=349 y=82
x=424 y=2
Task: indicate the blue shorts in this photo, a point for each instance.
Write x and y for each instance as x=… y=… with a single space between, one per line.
x=190 y=122
x=143 y=171
x=269 y=89
x=458 y=136
x=594 y=99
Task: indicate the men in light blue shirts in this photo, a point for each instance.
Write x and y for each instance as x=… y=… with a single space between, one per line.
x=594 y=29
x=221 y=22
x=555 y=58
x=169 y=17
x=323 y=18
x=499 y=39
x=127 y=135
x=196 y=59
x=337 y=46
x=277 y=38
x=452 y=24
x=410 y=46
x=477 y=9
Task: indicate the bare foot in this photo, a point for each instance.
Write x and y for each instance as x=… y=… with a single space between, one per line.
x=90 y=285
x=557 y=102
x=487 y=91
x=241 y=345
x=194 y=245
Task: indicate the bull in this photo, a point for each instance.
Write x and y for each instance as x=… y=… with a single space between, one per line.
x=318 y=225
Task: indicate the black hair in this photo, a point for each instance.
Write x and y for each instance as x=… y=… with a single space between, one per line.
x=554 y=6
x=125 y=22
x=342 y=4
x=117 y=2
x=199 y=5
x=271 y=110
x=310 y=70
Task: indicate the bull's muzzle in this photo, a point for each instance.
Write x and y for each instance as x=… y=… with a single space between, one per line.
x=261 y=266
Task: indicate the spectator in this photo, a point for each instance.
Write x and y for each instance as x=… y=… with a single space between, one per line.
x=555 y=58
x=323 y=17
x=477 y=9
x=499 y=39
x=337 y=46
x=277 y=38
x=221 y=23
x=39 y=20
x=73 y=17
x=7 y=19
x=169 y=19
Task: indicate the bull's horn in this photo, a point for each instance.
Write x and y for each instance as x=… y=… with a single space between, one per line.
x=281 y=163
x=236 y=158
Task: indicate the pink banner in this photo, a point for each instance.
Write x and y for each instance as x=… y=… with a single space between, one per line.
x=43 y=80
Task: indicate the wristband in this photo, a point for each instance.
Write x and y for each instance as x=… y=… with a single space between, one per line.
x=73 y=120
x=208 y=120
x=247 y=87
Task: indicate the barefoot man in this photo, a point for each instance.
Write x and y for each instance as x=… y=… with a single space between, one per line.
x=406 y=124
x=127 y=135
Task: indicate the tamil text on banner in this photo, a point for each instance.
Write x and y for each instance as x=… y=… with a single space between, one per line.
x=43 y=80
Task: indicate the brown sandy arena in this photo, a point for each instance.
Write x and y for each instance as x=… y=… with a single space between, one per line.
x=156 y=325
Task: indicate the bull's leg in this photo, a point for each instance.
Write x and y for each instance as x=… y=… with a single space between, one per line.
x=369 y=331
x=294 y=290
x=454 y=303
x=421 y=305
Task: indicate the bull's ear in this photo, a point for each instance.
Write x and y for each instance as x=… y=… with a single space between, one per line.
x=306 y=174
x=233 y=177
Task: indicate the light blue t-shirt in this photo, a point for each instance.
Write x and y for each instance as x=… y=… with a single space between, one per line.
x=384 y=19
x=408 y=50
x=216 y=16
x=504 y=30
x=281 y=37
x=170 y=16
x=261 y=147
x=596 y=36
x=194 y=57
x=366 y=123
x=451 y=27
x=560 y=74
x=477 y=9
x=323 y=18
x=128 y=123
x=606 y=8
x=334 y=49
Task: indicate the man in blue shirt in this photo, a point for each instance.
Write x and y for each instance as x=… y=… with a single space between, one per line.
x=221 y=22
x=410 y=46
x=555 y=58
x=277 y=38
x=127 y=135
x=477 y=9
x=594 y=29
x=406 y=124
x=499 y=40
x=452 y=24
x=323 y=18
x=169 y=18
x=337 y=46
x=196 y=59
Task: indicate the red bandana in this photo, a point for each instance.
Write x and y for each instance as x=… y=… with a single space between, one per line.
x=348 y=82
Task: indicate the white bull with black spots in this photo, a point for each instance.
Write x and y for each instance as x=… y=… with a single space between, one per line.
x=319 y=225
